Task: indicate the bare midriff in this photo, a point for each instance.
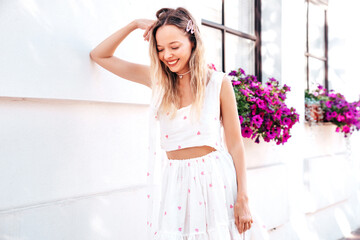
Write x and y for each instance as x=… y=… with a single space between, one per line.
x=190 y=152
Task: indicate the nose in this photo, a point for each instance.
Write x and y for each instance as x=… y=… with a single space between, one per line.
x=167 y=55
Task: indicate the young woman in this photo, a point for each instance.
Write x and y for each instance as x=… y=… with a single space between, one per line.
x=203 y=192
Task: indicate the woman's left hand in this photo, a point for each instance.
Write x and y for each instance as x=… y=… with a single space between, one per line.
x=243 y=219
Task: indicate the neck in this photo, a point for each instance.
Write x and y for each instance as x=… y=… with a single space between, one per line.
x=185 y=80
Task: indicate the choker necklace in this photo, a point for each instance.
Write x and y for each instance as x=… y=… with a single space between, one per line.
x=181 y=75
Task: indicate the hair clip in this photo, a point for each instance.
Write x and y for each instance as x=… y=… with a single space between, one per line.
x=190 y=27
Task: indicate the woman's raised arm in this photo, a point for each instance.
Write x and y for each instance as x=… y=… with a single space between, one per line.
x=103 y=54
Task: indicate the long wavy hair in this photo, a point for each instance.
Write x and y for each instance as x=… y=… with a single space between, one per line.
x=164 y=82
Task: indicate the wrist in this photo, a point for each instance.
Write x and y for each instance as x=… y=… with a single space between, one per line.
x=241 y=197
x=133 y=24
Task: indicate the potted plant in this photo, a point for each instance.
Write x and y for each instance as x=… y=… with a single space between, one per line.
x=262 y=111
x=336 y=110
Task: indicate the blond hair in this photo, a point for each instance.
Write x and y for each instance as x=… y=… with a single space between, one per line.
x=164 y=82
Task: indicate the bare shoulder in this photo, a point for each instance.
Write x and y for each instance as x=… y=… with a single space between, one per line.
x=227 y=97
x=226 y=86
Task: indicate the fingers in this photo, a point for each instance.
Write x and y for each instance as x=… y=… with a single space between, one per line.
x=147 y=32
x=243 y=224
x=247 y=226
x=236 y=220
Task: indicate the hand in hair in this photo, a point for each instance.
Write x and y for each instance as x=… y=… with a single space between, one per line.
x=145 y=24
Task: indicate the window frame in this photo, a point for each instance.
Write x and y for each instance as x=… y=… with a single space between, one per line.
x=322 y=4
x=256 y=38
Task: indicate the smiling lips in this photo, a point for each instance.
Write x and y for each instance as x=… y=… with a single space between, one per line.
x=173 y=63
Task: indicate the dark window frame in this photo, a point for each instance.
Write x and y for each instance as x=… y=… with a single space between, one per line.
x=256 y=38
x=323 y=4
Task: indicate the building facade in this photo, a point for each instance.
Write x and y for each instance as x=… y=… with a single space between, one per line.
x=73 y=135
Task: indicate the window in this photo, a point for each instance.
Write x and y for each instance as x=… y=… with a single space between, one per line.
x=232 y=34
x=316 y=44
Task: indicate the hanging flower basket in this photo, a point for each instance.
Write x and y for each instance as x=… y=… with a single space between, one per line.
x=262 y=111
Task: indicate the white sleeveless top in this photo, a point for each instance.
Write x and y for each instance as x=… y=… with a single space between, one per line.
x=181 y=132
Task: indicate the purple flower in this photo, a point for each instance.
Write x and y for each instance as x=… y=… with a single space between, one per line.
x=328 y=116
x=242 y=71
x=287 y=88
x=333 y=114
x=241 y=119
x=253 y=85
x=278 y=114
x=257 y=120
x=349 y=114
x=286 y=136
x=328 y=104
x=266 y=139
x=287 y=121
x=272 y=79
x=282 y=96
x=261 y=104
x=268 y=124
x=340 y=105
x=244 y=92
x=340 y=118
x=233 y=73
x=246 y=132
x=346 y=129
x=258 y=92
x=234 y=83
x=286 y=111
x=270 y=134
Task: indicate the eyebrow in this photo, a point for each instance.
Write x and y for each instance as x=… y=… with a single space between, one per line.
x=170 y=43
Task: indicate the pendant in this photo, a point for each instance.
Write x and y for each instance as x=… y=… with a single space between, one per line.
x=180 y=76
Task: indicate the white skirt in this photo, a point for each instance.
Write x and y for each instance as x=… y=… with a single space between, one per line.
x=197 y=199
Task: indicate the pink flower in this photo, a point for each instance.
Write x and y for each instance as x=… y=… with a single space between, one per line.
x=287 y=121
x=346 y=129
x=257 y=120
x=349 y=114
x=328 y=104
x=246 y=132
x=340 y=117
x=241 y=119
x=278 y=114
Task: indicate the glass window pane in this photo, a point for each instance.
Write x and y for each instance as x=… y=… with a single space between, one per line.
x=212 y=39
x=240 y=14
x=212 y=11
x=316 y=73
x=316 y=30
x=239 y=52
